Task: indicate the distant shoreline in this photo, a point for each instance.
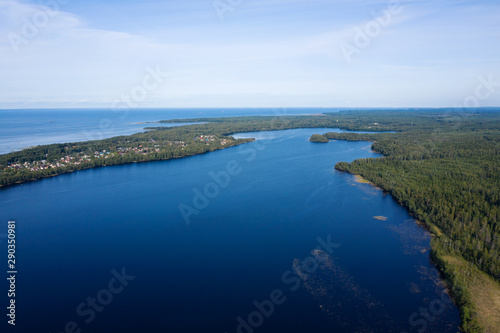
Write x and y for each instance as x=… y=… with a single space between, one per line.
x=414 y=145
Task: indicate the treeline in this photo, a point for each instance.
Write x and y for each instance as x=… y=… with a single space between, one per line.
x=403 y=122
x=318 y=138
x=451 y=181
x=350 y=136
x=367 y=120
x=460 y=280
x=23 y=175
x=448 y=176
x=173 y=142
x=170 y=143
x=443 y=165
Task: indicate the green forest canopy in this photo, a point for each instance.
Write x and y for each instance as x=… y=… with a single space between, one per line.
x=443 y=165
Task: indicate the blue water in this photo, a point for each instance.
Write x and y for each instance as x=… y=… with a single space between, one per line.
x=274 y=202
x=20 y=129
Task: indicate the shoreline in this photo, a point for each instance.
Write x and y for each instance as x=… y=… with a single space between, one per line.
x=222 y=128
x=360 y=180
x=110 y=165
x=443 y=254
x=469 y=297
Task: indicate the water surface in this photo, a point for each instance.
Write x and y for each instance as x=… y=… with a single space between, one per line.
x=257 y=234
x=20 y=129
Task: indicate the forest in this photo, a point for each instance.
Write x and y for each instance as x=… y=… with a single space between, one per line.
x=157 y=143
x=50 y=160
x=446 y=172
x=443 y=165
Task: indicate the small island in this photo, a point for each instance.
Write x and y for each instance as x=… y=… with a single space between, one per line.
x=431 y=159
x=319 y=138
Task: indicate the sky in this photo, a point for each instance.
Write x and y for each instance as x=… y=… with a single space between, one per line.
x=249 y=53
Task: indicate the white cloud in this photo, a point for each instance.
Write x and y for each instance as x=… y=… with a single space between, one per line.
x=69 y=62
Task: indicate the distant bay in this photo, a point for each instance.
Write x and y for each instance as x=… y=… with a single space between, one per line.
x=284 y=227
x=21 y=129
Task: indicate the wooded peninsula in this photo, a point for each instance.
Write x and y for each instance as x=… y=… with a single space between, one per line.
x=443 y=165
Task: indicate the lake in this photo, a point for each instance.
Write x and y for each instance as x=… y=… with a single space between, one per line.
x=264 y=237
x=24 y=128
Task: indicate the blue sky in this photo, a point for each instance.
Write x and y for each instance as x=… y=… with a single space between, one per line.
x=250 y=53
